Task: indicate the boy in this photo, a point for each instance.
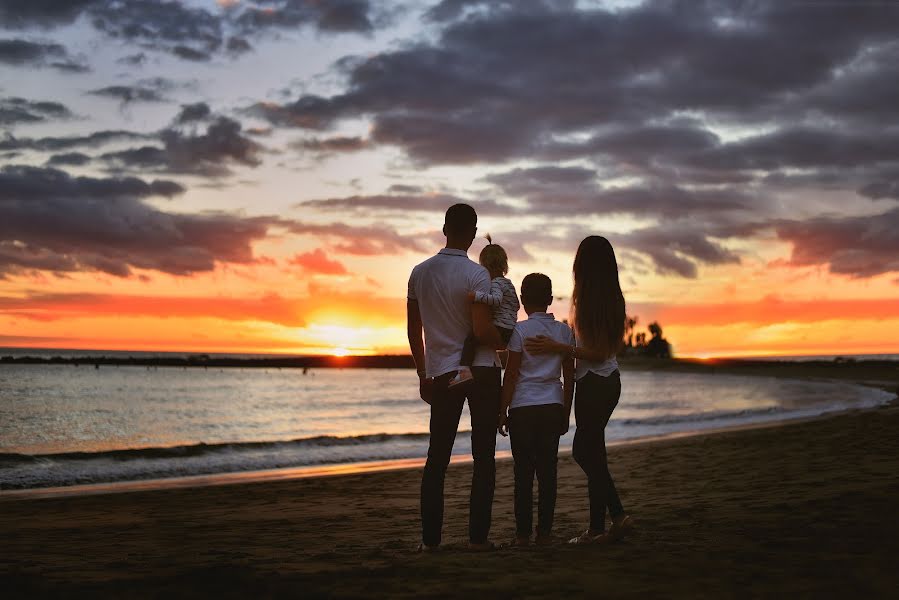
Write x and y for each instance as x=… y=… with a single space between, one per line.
x=535 y=409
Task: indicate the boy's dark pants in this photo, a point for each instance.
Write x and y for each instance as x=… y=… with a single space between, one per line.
x=534 y=431
x=446 y=409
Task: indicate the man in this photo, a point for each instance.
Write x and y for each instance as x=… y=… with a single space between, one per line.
x=438 y=305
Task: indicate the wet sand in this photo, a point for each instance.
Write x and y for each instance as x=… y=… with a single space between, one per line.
x=803 y=509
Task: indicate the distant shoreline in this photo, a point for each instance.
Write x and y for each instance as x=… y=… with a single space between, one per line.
x=883 y=374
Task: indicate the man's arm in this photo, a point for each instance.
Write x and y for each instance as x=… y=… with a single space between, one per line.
x=417 y=346
x=484 y=330
x=510 y=380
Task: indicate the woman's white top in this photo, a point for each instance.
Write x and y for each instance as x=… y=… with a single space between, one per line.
x=602 y=368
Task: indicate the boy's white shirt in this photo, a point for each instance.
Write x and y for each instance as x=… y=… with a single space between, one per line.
x=539 y=377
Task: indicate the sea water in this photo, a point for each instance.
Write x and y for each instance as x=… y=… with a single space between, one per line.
x=63 y=425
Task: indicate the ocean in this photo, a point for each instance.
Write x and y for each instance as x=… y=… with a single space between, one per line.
x=63 y=425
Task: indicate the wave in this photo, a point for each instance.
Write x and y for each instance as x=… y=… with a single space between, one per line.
x=202 y=449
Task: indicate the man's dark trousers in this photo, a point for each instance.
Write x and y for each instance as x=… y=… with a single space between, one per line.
x=446 y=409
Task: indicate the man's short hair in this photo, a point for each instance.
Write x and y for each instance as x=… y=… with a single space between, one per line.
x=537 y=290
x=460 y=218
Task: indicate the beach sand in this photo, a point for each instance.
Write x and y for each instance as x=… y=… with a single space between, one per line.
x=797 y=510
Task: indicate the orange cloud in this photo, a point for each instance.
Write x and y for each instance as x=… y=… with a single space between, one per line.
x=768 y=310
x=317 y=262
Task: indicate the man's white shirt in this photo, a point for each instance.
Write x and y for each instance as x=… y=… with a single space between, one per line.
x=441 y=285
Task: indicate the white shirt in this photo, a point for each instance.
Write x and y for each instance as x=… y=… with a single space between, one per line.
x=440 y=285
x=539 y=376
x=503 y=302
x=602 y=368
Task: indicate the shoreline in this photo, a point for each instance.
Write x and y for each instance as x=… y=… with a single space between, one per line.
x=360 y=468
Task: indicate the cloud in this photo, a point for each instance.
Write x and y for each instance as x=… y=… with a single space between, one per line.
x=197 y=111
x=270 y=308
x=855 y=246
x=769 y=310
x=332 y=145
x=129 y=94
x=374 y=240
x=46 y=14
x=52 y=221
x=55 y=144
x=317 y=262
x=293 y=312
x=327 y=16
x=14 y=111
x=76 y=159
x=207 y=154
x=21 y=53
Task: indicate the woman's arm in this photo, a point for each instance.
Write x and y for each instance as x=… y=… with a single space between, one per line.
x=544 y=345
x=509 y=381
x=567 y=391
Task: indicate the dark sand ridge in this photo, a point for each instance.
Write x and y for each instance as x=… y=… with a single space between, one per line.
x=804 y=509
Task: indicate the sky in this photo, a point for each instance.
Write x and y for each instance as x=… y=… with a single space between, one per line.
x=261 y=176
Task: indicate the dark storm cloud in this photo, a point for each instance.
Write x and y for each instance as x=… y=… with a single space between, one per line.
x=134 y=60
x=700 y=113
x=53 y=221
x=129 y=94
x=75 y=159
x=14 y=111
x=197 y=111
x=188 y=32
x=505 y=82
x=191 y=54
x=676 y=250
x=56 y=144
x=557 y=191
x=208 y=154
x=20 y=53
x=855 y=246
x=332 y=145
x=16 y=14
x=326 y=15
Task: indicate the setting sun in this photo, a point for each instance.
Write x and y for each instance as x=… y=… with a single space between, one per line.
x=340 y=352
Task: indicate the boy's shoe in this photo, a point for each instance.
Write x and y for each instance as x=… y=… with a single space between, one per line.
x=422 y=547
x=520 y=541
x=463 y=376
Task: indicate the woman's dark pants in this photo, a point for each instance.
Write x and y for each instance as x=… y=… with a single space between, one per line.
x=595 y=399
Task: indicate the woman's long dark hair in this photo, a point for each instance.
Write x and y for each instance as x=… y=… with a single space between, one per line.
x=597 y=304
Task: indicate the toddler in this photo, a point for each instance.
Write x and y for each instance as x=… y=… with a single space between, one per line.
x=502 y=299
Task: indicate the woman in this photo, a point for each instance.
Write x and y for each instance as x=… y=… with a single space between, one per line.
x=597 y=315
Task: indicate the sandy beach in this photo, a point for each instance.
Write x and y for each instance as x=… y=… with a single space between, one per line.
x=803 y=509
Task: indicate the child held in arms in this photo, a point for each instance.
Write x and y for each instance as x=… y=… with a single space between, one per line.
x=535 y=409
x=501 y=298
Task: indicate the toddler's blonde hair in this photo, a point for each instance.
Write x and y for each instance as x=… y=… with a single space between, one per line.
x=493 y=257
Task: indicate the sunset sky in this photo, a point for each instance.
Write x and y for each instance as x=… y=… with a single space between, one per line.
x=261 y=176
